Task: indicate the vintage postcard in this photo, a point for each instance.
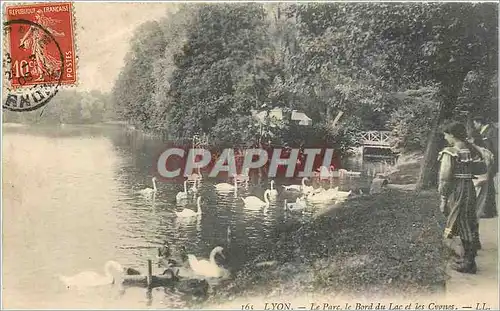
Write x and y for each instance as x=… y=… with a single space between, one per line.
x=250 y=155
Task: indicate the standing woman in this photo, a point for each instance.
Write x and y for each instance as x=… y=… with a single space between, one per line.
x=458 y=196
x=485 y=188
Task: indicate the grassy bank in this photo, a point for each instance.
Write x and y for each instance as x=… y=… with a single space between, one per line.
x=407 y=169
x=371 y=245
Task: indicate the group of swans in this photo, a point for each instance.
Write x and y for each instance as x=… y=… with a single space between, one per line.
x=226 y=187
x=250 y=202
x=255 y=203
x=309 y=194
x=321 y=195
x=181 y=195
x=114 y=272
x=329 y=173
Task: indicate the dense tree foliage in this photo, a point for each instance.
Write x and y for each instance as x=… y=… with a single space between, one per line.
x=134 y=89
x=405 y=67
x=69 y=107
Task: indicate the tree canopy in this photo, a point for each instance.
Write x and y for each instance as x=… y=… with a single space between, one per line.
x=405 y=67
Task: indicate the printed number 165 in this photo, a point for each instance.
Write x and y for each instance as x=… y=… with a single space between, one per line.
x=247 y=307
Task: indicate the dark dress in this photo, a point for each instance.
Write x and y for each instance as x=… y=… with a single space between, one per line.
x=489 y=137
x=486 y=193
x=457 y=187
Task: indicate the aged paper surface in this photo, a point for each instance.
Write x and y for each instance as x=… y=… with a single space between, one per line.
x=250 y=156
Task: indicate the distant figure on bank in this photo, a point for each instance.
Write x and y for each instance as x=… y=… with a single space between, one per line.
x=458 y=196
x=379 y=184
x=486 y=193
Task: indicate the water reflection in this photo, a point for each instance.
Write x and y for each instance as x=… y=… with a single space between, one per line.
x=79 y=201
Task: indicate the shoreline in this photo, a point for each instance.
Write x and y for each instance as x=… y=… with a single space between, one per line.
x=371 y=246
x=357 y=272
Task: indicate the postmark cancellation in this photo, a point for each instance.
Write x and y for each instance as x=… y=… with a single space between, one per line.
x=39 y=53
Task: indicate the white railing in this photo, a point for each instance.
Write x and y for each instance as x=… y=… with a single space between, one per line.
x=375 y=138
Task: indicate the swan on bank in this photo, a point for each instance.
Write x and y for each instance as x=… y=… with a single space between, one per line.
x=208 y=268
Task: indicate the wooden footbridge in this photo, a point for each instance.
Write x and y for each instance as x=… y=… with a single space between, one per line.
x=378 y=141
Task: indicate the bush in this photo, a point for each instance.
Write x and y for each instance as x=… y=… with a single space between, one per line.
x=410 y=124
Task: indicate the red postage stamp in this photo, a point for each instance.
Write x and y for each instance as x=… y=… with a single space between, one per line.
x=41 y=44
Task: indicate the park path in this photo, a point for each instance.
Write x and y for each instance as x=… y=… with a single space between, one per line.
x=482 y=287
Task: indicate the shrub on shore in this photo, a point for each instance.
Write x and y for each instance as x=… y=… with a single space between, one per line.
x=372 y=245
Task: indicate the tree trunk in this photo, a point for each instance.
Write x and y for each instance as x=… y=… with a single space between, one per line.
x=430 y=166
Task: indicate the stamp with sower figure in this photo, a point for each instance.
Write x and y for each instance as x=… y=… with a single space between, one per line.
x=39 y=55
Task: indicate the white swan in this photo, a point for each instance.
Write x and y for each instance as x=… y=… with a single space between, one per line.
x=319 y=190
x=228 y=233
x=273 y=193
x=207 y=268
x=353 y=173
x=189 y=212
x=225 y=187
x=149 y=191
x=182 y=195
x=296 y=187
x=194 y=188
x=299 y=205
x=323 y=196
x=343 y=194
x=326 y=173
x=91 y=278
x=328 y=195
x=195 y=177
x=339 y=194
x=307 y=189
x=254 y=203
x=243 y=177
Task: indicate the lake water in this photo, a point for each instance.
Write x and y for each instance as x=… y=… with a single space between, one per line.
x=70 y=204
